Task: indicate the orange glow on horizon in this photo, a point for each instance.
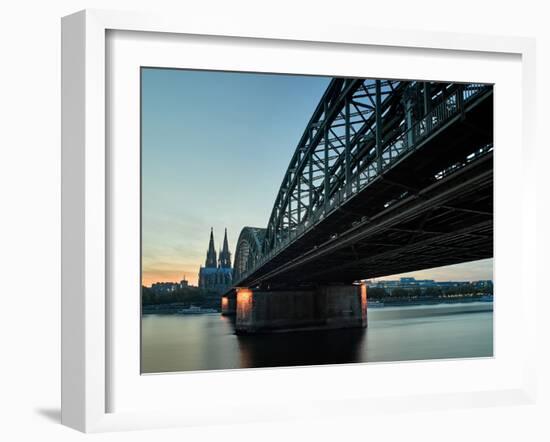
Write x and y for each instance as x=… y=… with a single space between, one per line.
x=149 y=277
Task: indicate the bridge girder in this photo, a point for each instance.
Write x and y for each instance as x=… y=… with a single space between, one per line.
x=248 y=250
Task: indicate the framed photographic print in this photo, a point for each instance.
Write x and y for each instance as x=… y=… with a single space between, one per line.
x=368 y=192
x=293 y=218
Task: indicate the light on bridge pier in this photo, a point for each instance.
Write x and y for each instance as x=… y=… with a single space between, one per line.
x=364 y=302
x=244 y=302
x=225 y=303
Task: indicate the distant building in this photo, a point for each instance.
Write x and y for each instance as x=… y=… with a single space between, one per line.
x=217 y=273
x=423 y=284
x=403 y=283
x=169 y=287
x=164 y=287
x=484 y=284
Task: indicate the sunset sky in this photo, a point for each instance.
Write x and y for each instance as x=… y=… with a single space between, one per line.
x=215 y=147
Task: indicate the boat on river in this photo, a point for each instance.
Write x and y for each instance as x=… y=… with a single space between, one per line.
x=375 y=304
x=194 y=310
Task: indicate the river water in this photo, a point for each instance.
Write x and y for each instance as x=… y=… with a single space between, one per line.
x=208 y=342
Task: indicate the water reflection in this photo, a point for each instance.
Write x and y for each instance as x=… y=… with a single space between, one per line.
x=312 y=347
x=208 y=342
x=300 y=348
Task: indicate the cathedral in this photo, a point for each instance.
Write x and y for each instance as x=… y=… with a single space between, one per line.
x=217 y=273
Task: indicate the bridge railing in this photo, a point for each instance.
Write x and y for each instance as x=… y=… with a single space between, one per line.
x=409 y=140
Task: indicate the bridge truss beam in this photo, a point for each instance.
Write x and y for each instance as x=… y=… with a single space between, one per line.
x=369 y=144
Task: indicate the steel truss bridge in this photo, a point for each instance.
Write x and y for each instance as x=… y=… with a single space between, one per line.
x=388 y=177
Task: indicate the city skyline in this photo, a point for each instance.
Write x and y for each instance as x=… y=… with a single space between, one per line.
x=204 y=137
x=465 y=272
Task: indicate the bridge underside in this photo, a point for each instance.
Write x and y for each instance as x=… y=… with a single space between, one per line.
x=434 y=207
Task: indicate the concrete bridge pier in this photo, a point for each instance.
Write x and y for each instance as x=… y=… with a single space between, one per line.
x=229 y=303
x=325 y=307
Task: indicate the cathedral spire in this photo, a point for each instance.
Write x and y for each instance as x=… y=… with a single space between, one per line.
x=225 y=245
x=211 y=260
x=216 y=276
x=225 y=256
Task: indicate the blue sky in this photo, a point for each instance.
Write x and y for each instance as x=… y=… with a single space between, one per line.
x=215 y=146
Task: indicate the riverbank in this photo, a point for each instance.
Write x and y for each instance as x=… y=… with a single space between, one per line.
x=388 y=302
x=173 y=309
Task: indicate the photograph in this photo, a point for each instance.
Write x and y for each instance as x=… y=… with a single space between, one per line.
x=294 y=220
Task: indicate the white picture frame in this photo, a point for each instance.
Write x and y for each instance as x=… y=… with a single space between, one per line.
x=86 y=208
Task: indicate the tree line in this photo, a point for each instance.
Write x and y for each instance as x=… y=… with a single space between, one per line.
x=185 y=296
